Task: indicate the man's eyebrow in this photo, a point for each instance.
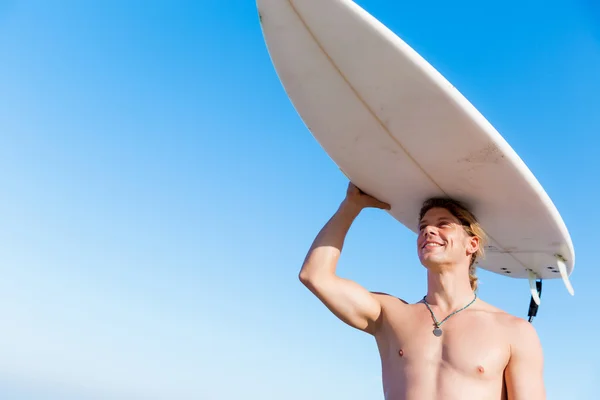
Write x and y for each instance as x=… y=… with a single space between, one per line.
x=441 y=219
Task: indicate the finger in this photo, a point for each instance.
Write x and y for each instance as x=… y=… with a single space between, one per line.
x=385 y=206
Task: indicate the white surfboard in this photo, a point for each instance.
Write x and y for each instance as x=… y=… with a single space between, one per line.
x=402 y=133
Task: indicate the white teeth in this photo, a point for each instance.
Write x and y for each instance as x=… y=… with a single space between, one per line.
x=432 y=245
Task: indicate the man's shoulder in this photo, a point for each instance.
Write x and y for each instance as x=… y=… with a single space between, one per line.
x=386 y=298
x=523 y=334
x=494 y=312
x=503 y=318
x=517 y=328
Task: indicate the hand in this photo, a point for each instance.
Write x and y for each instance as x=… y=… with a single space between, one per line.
x=357 y=197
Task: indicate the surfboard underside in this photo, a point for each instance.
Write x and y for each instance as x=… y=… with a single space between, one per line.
x=402 y=133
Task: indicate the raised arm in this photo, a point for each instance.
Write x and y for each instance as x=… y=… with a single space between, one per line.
x=525 y=370
x=348 y=300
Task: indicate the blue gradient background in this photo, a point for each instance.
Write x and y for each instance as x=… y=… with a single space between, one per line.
x=159 y=193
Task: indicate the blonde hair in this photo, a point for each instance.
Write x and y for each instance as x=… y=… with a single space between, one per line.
x=470 y=224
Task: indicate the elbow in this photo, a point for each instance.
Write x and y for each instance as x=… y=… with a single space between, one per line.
x=312 y=280
x=304 y=277
x=308 y=279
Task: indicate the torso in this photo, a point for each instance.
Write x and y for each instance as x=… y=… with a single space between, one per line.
x=466 y=362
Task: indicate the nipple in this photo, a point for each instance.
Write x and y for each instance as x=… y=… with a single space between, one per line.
x=401 y=353
x=480 y=369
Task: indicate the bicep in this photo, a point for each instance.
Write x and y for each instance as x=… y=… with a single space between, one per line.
x=349 y=301
x=524 y=373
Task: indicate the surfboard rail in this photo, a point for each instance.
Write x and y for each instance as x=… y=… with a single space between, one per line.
x=375 y=105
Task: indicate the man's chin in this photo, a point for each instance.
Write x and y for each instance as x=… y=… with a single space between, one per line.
x=432 y=264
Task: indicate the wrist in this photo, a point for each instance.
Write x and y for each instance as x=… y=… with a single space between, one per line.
x=349 y=208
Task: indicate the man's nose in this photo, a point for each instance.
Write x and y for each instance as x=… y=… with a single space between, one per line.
x=428 y=230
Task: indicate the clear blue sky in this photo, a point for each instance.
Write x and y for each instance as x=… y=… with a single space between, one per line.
x=159 y=193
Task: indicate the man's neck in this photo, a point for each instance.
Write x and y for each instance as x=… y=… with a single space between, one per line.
x=448 y=290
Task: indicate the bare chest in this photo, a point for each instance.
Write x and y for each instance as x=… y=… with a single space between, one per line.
x=471 y=346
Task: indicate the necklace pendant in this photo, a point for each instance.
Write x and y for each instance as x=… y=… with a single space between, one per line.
x=437 y=331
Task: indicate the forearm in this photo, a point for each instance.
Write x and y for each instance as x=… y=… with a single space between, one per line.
x=326 y=249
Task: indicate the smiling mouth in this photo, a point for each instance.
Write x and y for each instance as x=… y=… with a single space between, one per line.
x=432 y=245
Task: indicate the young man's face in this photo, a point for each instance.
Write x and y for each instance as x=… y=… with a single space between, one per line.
x=443 y=241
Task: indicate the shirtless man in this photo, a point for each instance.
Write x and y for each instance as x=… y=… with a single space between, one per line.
x=478 y=353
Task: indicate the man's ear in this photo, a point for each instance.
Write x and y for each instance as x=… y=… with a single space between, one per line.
x=473 y=244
